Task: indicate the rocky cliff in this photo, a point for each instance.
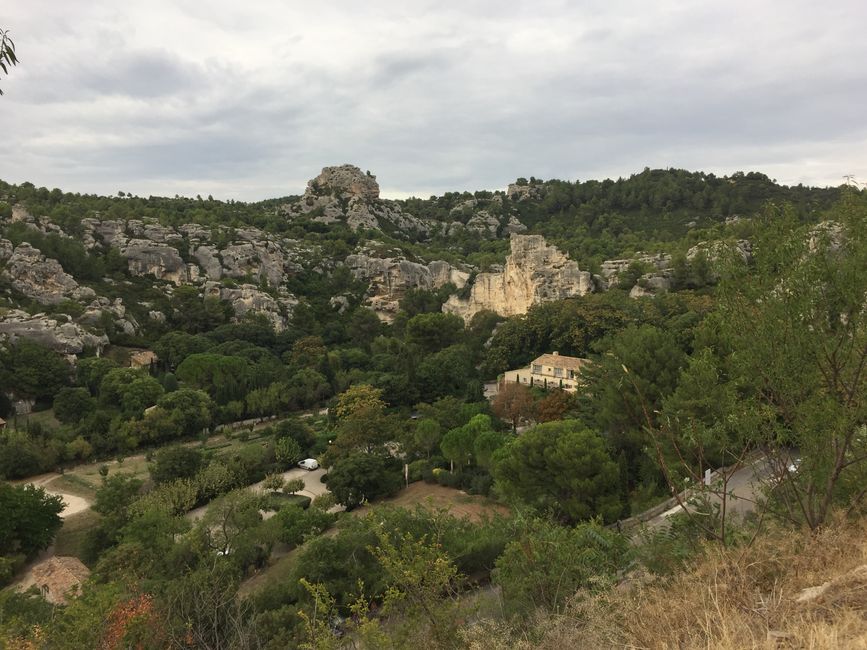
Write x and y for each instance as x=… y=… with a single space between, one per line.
x=217 y=254
x=389 y=278
x=534 y=272
x=56 y=332
x=39 y=278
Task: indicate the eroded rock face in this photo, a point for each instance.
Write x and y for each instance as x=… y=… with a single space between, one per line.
x=344 y=181
x=612 y=269
x=248 y=298
x=390 y=278
x=715 y=250
x=524 y=191
x=534 y=273
x=261 y=260
x=115 y=309
x=65 y=337
x=345 y=193
x=6 y=249
x=159 y=260
x=40 y=278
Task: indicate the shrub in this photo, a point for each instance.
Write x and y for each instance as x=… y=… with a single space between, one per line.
x=447 y=479
x=417 y=469
x=481 y=484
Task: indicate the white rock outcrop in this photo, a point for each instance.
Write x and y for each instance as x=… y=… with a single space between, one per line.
x=534 y=272
x=389 y=279
x=345 y=193
x=249 y=299
x=62 y=336
x=162 y=261
x=40 y=278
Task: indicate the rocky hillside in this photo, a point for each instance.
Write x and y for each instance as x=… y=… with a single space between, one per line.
x=79 y=271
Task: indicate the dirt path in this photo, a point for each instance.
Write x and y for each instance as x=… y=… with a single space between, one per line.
x=72 y=504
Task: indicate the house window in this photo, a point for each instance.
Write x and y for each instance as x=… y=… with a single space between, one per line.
x=558 y=372
x=537 y=369
x=571 y=374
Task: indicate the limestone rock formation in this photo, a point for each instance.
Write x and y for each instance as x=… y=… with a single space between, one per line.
x=261 y=260
x=524 y=191
x=390 y=277
x=159 y=260
x=209 y=259
x=115 y=309
x=612 y=269
x=40 y=278
x=53 y=332
x=534 y=273
x=345 y=193
x=743 y=248
x=248 y=298
x=474 y=215
x=345 y=181
x=6 y=249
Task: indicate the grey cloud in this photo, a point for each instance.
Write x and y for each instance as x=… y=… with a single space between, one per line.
x=432 y=98
x=143 y=74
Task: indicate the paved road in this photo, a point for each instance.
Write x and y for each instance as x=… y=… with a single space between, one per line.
x=745 y=485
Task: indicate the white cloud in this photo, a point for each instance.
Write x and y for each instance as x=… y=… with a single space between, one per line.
x=248 y=100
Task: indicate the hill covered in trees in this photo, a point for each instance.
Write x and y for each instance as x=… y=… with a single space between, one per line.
x=724 y=321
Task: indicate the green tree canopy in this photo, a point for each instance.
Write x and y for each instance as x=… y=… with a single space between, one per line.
x=73 y=404
x=175 y=462
x=191 y=410
x=562 y=468
x=30 y=519
x=358 y=477
x=224 y=378
x=31 y=370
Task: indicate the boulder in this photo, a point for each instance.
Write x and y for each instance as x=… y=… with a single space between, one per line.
x=208 y=258
x=145 y=257
x=93 y=314
x=262 y=260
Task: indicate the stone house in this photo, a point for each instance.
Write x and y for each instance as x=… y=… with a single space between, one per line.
x=549 y=371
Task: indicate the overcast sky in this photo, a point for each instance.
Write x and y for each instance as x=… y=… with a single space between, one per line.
x=248 y=100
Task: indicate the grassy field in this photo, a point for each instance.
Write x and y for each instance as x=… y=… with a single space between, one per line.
x=456 y=502
x=70 y=539
x=279 y=570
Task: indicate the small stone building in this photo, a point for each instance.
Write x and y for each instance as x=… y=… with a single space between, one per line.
x=142 y=359
x=57 y=577
x=549 y=371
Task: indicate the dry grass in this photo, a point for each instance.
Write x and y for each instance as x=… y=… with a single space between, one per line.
x=70 y=538
x=729 y=599
x=459 y=504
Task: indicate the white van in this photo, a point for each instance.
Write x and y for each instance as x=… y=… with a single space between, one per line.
x=309 y=464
